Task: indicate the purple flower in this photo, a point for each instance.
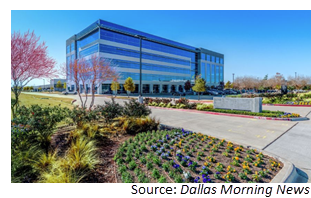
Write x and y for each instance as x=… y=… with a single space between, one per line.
x=190 y=163
x=217 y=173
x=197 y=180
x=176 y=166
x=204 y=180
x=183 y=130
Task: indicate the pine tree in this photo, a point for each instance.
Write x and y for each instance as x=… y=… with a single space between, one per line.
x=129 y=86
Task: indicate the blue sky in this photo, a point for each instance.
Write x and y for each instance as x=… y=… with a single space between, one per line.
x=254 y=43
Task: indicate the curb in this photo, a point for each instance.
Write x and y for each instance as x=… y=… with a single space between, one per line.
x=235 y=115
x=286 y=105
x=288 y=174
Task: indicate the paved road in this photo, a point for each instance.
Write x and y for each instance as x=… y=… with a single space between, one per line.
x=295 y=146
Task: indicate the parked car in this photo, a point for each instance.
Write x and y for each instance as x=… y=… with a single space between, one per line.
x=107 y=92
x=211 y=92
x=189 y=92
x=179 y=94
x=121 y=92
x=230 y=91
x=70 y=93
x=220 y=92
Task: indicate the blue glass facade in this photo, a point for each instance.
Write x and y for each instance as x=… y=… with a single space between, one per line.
x=164 y=62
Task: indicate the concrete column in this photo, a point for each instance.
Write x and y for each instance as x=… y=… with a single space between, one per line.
x=150 y=88
x=169 y=88
x=99 y=89
x=160 y=88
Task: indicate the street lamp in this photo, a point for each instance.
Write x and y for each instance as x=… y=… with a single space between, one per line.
x=140 y=62
x=43 y=83
x=233 y=77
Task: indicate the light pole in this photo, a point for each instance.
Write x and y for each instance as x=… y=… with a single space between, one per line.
x=43 y=83
x=233 y=77
x=295 y=75
x=140 y=62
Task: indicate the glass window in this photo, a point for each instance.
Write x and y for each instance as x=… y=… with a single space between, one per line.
x=221 y=74
x=88 y=51
x=72 y=58
x=217 y=74
x=213 y=59
x=217 y=59
x=136 y=32
x=203 y=56
x=87 y=40
x=208 y=57
x=213 y=74
x=221 y=61
x=203 y=71
x=68 y=49
x=208 y=73
x=72 y=47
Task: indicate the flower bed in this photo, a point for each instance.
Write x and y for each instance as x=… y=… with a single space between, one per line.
x=183 y=156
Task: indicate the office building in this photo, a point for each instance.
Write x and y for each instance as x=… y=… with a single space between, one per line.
x=165 y=64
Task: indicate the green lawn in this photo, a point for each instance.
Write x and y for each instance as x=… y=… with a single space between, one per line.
x=28 y=99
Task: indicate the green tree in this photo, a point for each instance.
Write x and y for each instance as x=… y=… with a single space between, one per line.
x=52 y=88
x=228 y=85
x=266 y=77
x=59 y=84
x=65 y=85
x=40 y=89
x=115 y=86
x=129 y=86
x=31 y=88
x=199 y=86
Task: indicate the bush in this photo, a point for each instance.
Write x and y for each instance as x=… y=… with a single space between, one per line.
x=135 y=109
x=35 y=126
x=182 y=101
x=110 y=110
x=132 y=125
x=204 y=106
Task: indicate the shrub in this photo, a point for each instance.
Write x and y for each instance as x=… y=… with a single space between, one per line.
x=111 y=110
x=36 y=125
x=204 y=106
x=135 y=109
x=183 y=101
x=82 y=154
x=132 y=125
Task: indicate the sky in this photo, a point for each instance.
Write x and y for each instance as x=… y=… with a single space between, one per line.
x=254 y=43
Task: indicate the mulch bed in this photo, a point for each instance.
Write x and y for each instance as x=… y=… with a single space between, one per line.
x=105 y=170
